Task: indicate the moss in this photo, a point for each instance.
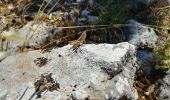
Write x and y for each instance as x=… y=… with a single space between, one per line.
x=162 y=57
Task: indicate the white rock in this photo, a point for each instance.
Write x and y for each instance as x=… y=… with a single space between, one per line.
x=38 y=31
x=3 y=54
x=141 y=36
x=32 y=34
x=98 y=71
x=164 y=87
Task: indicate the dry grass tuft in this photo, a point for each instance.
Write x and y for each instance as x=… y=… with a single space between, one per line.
x=160 y=13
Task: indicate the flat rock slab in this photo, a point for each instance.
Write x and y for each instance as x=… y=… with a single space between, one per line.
x=98 y=72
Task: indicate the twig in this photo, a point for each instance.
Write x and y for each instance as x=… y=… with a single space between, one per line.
x=46 y=5
x=39 y=9
x=116 y=25
x=102 y=27
x=32 y=96
x=54 y=6
x=23 y=94
x=162 y=8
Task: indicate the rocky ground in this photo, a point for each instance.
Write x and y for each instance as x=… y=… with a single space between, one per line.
x=81 y=50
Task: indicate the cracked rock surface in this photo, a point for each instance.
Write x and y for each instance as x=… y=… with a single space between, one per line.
x=100 y=72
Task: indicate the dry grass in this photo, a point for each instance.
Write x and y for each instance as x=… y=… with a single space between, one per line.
x=117 y=12
x=160 y=15
x=39 y=18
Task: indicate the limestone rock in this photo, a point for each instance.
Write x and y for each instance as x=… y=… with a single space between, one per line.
x=103 y=71
x=163 y=91
x=140 y=35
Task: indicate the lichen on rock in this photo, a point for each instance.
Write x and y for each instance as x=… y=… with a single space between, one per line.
x=105 y=70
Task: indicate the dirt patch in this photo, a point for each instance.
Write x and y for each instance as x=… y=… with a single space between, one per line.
x=41 y=61
x=145 y=84
x=45 y=83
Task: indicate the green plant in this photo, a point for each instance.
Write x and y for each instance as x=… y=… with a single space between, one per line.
x=114 y=11
x=162 y=57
